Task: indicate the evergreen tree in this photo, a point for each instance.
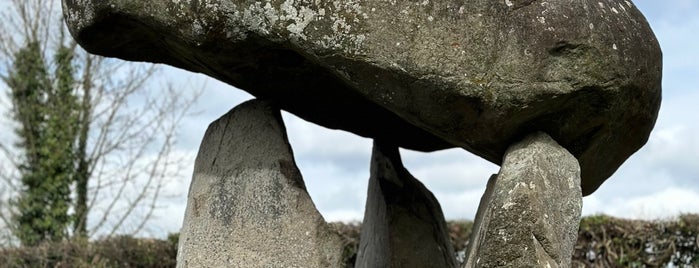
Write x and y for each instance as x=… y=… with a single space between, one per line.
x=83 y=149
x=45 y=108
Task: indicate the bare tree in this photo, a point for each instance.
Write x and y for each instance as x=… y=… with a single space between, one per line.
x=126 y=132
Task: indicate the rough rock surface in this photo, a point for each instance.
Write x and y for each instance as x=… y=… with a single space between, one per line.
x=403 y=222
x=477 y=74
x=530 y=213
x=247 y=204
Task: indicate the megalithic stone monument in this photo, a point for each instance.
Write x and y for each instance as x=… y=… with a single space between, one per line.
x=429 y=75
x=424 y=75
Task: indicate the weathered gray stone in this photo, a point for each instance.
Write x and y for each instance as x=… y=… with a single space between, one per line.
x=530 y=213
x=478 y=231
x=403 y=222
x=247 y=204
x=477 y=74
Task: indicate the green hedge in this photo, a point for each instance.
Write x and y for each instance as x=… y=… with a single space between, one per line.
x=119 y=251
x=603 y=241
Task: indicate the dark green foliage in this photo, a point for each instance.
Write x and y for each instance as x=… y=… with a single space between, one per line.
x=125 y=251
x=459 y=233
x=46 y=107
x=603 y=242
x=119 y=251
x=174 y=239
x=349 y=232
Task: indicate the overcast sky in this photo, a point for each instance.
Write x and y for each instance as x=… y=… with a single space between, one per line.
x=658 y=182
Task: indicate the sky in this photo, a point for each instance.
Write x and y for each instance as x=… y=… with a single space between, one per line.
x=660 y=181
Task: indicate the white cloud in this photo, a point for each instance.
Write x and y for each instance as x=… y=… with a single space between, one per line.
x=168 y=219
x=334 y=190
x=668 y=164
x=334 y=165
x=662 y=204
x=674 y=149
x=456 y=177
x=453 y=170
x=310 y=140
x=461 y=205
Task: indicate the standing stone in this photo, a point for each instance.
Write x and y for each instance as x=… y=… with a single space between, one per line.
x=530 y=213
x=247 y=204
x=403 y=222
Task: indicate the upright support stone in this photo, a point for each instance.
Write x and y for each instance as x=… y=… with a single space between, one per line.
x=530 y=213
x=247 y=204
x=403 y=222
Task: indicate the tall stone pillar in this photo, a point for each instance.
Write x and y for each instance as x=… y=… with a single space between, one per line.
x=247 y=204
x=403 y=222
x=530 y=213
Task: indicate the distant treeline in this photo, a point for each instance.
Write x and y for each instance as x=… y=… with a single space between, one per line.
x=603 y=241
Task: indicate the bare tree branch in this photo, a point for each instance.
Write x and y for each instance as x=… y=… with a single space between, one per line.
x=131 y=131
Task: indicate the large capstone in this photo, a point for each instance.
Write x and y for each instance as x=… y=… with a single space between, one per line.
x=477 y=74
x=247 y=204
